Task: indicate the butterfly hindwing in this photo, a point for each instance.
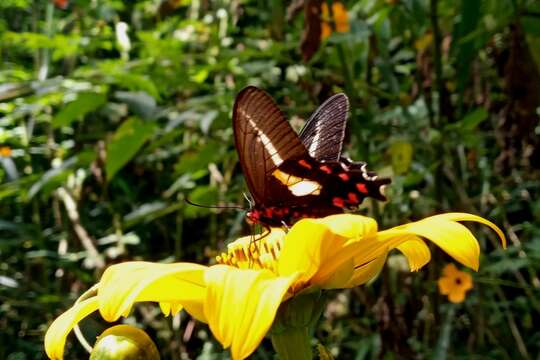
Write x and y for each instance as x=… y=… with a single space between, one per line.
x=324 y=131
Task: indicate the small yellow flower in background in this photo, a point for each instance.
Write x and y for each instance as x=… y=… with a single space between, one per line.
x=455 y=283
x=5 y=151
x=339 y=16
x=240 y=297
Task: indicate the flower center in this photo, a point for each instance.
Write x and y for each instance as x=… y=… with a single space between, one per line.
x=457 y=281
x=261 y=252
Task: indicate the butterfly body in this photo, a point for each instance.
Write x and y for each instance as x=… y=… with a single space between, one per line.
x=294 y=176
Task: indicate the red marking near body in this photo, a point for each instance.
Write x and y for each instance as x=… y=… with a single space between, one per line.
x=339 y=202
x=362 y=188
x=325 y=169
x=304 y=163
x=344 y=176
x=353 y=199
x=268 y=212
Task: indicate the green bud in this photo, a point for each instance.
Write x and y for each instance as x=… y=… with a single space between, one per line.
x=124 y=342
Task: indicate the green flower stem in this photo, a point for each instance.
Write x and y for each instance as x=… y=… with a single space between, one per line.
x=293 y=344
x=291 y=330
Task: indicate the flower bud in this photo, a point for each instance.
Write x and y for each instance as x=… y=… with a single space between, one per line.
x=124 y=342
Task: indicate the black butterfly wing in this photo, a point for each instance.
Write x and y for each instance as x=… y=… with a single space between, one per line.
x=264 y=140
x=324 y=131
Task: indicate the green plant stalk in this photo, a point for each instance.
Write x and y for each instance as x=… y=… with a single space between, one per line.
x=521 y=347
x=437 y=58
x=293 y=344
x=443 y=343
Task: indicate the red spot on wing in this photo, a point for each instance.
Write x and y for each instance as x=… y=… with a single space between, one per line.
x=362 y=188
x=339 y=202
x=268 y=212
x=353 y=198
x=304 y=163
x=344 y=176
x=325 y=169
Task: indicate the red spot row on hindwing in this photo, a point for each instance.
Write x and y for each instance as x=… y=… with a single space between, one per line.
x=326 y=169
x=304 y=163
x=338 y=202
x=353 y=198
x=362 y=188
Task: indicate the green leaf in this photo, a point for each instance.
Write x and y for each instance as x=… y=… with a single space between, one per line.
x=86 y=102
x=139 y=102
x=466 y=47
x=473 y=119
x=125 y=143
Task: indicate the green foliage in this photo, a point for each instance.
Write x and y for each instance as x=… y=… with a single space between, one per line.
x=128 y=133
x=84 y=103
x=125 y=143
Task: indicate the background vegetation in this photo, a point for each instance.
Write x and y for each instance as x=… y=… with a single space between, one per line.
x=112 y=112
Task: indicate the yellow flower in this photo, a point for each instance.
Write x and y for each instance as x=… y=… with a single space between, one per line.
x=455 y=283
x=239 y=297
x=339 y=16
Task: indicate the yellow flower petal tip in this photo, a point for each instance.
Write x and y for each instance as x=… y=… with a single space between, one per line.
x=454 y=283
x=124 y=342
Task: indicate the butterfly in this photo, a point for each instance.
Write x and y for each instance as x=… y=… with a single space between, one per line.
x=292 y=176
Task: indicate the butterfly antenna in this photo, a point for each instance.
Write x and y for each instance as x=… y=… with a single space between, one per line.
x=186 y=199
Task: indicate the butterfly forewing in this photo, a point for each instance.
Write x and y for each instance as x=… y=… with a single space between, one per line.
x=264 y=140
x=324 y=131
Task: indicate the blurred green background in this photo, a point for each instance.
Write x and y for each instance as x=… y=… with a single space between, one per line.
x=113 y=112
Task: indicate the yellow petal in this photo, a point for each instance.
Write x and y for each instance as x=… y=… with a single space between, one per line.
x=196 y=309
x=124 y=284
x=416 y=251
x=364 y=273
x=350 y=226
x=475 y=218
x=322 y=249
x=170 y=308
x=339 y=277
x=55 y=338
x=303 y=247
x=455 y=239
x=241 y=305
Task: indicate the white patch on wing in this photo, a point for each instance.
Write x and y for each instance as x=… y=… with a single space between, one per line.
x=276 y=159
x=298 y=186
x=305 y=187
x=315 y=142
